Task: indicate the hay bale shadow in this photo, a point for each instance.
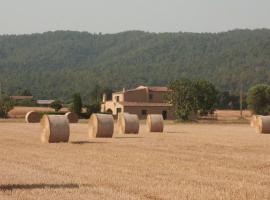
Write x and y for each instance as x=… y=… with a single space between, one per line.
x=10 y=187
x=128 y=137
x=87 y=142
x=175 y=132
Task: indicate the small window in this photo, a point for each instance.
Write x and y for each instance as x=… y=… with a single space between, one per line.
x=117 y=98
x=144 y=112
x=164 y=114
x=150 y=96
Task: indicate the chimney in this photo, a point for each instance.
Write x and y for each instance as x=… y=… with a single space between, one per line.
x=104 y=98
x=124 y=90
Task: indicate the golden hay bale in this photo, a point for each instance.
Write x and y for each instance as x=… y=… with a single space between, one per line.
x=128 y=123
x=155 y=123
x=72 y=117
x=32 y=117
x=101 y=125
x=263 y=124
x=55 y=128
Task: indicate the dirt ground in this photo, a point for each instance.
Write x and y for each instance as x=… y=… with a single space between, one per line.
x=188 y=161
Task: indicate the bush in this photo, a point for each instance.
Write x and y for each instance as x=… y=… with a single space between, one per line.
x=26 y=102
x=90 y=109
x=192 y=97
x=183 y=97
x=258 y=99
x=76 y=105
x=50 y=113
x=6 y=104
x=56 y=105
x=206 y=97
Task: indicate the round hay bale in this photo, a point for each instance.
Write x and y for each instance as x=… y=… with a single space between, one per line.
x=263 y=124
x=32 y=117
x=55 y=128
x=155 y=123
x=128 y=124
x=101 y=125
x=72 y=117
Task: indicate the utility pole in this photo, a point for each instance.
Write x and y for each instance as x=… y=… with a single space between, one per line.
x=241 y=99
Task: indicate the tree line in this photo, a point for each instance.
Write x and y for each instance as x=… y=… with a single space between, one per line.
x=190 y=98
x=53 y=64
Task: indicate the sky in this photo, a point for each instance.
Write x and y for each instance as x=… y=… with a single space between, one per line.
x=112 y=16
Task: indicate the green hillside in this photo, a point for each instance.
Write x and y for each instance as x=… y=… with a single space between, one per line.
x=57 y=64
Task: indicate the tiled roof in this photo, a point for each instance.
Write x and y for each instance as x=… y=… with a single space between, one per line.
x=144 y=104
x=151 y=89
x=44 y=102
x=158 y=89
x=21 y=97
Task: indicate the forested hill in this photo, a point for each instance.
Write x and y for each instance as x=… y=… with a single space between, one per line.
x=57 y=64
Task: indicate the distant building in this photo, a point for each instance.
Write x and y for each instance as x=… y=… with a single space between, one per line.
x=21 y=98
x=44 y=102
x=141 y=101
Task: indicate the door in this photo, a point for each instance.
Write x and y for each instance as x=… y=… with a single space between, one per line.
x=164 y=114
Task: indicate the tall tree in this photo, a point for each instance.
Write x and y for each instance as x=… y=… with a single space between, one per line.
x=184 y=98
x=258 y=99
x=77 y=103
x=6 y=104
x=206 y=97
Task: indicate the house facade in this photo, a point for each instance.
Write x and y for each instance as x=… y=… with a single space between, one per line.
x=141 y=101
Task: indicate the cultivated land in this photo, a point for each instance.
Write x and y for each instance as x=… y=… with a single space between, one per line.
x=189 y=161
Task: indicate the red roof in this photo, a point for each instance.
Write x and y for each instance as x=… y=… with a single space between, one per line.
x=158 y=89
x=151 y=89
x=21 y=97
x=45 y=102
x=144 y=104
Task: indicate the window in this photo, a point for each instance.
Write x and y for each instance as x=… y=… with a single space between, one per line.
x=144 y=112
x=150 y=96
x=164 y=114
x=117 y=98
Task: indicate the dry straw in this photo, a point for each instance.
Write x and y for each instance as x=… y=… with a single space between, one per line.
x=72 y=117
x=263 y=124
x=55 y=128
x=128 y=123
x=155 y=123
x=32 y=117
x=101 y=125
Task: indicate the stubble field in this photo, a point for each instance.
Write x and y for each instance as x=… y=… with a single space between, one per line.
x=188 y=161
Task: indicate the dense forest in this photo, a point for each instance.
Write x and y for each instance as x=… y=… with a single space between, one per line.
x=58 y=64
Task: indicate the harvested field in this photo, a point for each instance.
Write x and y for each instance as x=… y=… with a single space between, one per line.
x=190 y=161
x=230 y=115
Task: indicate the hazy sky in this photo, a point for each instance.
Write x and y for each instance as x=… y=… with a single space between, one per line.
x=110 y=16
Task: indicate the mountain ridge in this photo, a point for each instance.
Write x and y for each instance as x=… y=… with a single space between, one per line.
x=57 y=64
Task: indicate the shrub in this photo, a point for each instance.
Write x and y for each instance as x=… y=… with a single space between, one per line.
x=26 y=102
x=192 y=97
x=258 y=99
x=56 y=105
x=6 y=104
x=206 y=95
x=76 y=105
x=90 y=109
x=50 y=113
x=183 y=97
